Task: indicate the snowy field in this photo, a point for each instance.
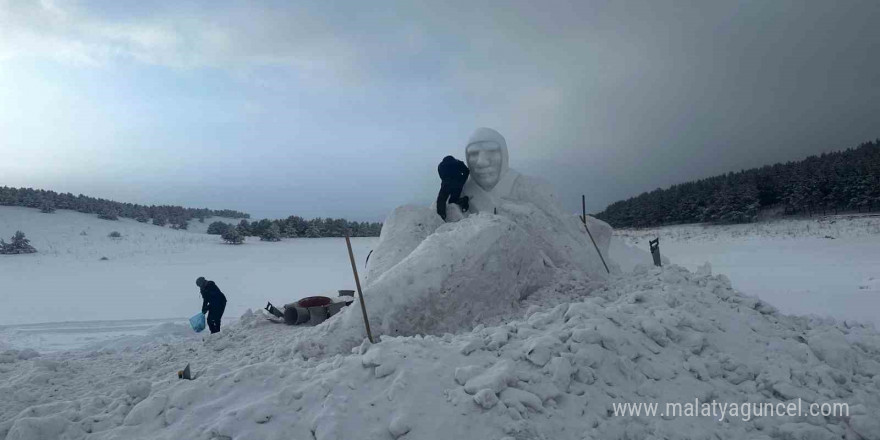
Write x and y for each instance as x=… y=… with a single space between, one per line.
x=149 y=274
x=66 y=297
x=827 y=266
x=553 y=367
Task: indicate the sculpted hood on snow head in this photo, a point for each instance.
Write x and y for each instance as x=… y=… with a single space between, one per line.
x=487 y=157
x=491 y=178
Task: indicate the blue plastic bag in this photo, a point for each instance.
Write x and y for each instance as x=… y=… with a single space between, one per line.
x=197 y=322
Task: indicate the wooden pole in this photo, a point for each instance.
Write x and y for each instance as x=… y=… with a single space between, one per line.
x=357 y=282
x=584 y=219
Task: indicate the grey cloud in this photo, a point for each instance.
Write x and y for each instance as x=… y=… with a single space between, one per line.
x=603 y=98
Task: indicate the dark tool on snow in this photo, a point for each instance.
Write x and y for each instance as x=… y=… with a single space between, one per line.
x=655 y=251
x=367 y=261
x=584 y=219
x=274 y=311
x=185 y=373
x=357 y=283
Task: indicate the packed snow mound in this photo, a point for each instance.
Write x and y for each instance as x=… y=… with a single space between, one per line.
x=558 y=224
x=657 y=335
x=563 y=238
x=404 y=229
x=462 y=273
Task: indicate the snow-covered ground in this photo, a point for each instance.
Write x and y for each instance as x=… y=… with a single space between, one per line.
x=149 y=274
x=827 y=266
x=553 y=367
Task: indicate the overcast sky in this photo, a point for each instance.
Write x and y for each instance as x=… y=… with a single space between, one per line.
x=343 y=109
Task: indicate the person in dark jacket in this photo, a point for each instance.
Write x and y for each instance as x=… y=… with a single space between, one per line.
x=213 y=302
x=453 y=174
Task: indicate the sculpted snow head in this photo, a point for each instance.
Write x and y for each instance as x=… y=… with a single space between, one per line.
x=487 y=157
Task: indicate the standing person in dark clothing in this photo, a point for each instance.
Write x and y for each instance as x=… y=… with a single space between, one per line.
x=213 y=302
x=453 y=174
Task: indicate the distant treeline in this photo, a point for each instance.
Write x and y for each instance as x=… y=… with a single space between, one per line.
x=831 y=182
x=296 y=226
x=178 y=217
x=48 y=201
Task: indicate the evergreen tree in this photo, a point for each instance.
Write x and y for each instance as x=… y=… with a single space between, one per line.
x=108 y=213
x=218 y=228
x=19 y=245
x=843 y=180
x=47 y=207
x=272 y=233
x=244 y=228
x=259 y=228
x=233 y=236
x=313 y=232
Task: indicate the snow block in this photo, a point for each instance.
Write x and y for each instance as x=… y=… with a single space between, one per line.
x=399 y=425
x=466 y=373
x=486 y=398
x=138 y=390
x=495 y=379
x=520 y=400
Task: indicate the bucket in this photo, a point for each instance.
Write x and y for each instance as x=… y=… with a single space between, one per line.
x=317 y=314
x=294 y=315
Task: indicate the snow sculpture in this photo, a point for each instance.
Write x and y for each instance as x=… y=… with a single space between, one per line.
x=496 y=188
x=459 y=274
x=491 y=178
x=428 y=276
x=404 y=229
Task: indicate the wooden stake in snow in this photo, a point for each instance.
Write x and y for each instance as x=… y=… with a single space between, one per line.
x=584 y=219
x=357 y=282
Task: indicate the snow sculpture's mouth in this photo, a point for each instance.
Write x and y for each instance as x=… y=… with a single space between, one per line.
x=487 y=177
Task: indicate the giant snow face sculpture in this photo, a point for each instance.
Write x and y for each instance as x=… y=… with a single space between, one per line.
x=491 y=178
x=487 y=157
x=484 y=161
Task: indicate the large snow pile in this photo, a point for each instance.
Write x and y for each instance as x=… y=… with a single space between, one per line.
x=552 y=372
x=428 y=277
x=463 y=272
